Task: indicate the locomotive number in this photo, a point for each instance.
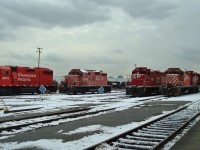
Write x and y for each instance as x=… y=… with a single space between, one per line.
x=5 y=78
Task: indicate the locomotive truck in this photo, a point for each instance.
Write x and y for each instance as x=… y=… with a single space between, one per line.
x=144 y=82
x=178 y=82
x=18 y=79
x=82 y=81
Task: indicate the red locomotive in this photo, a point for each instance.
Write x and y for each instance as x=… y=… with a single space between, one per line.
x=17 y=79
x=144 y=82
x=178 y=82
x=82 y=81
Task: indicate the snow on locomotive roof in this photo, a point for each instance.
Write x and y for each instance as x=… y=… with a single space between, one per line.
x=83 y=70
x=86 y=71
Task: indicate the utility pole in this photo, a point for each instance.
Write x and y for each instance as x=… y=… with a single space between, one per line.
x=39 y=51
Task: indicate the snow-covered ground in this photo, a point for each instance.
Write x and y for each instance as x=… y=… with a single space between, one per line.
x=61 y=101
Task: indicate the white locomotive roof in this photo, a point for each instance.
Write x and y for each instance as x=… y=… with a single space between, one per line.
x=83 y=70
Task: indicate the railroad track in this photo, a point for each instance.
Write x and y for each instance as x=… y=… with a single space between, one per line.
x=72 y=96
x=154 y=98
x=78 y=109
x=75 y=110
x=109 y=99
x=152 y=135
x=85 y=96
x=18 y=123
x=43 y=119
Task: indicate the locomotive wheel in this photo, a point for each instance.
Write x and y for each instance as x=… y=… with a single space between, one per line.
x=83 y=91
x=146 y=92
x=177 y=92
x=68 y=91
x=47 y=92
x=143 y=91
x=128 y=91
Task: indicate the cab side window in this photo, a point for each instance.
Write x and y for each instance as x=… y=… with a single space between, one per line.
x=5 y=72
x=181 y=75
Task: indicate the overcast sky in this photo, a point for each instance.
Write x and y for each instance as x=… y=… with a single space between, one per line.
x=108 y=35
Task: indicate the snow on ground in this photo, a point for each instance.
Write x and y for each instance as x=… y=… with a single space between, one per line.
x=54 y=144
x=61 y=101
x=51 y=102
x=189 y=97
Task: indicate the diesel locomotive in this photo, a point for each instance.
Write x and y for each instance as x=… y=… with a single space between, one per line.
x=178 y=82
x=82 y=81
x=144 y=82
x=18 y=79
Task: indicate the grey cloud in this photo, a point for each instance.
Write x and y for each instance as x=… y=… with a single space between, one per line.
x=117 y=51
x=6 y=35
x=72 y=13
x=99 y=59
x=189 y=54
x=149 y=9
x=21 y=56
x=102 y=59
x=50 y=13
x=166 y=36
x=69 y=13
x=53 y=58
x=15 y=58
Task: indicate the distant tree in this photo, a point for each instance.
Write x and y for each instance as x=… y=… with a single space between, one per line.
x=120 y=76
x=111 y=77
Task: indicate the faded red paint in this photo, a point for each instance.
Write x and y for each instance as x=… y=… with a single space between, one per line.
x=80 y=77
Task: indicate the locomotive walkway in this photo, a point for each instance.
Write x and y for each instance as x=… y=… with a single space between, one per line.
x=190 y=141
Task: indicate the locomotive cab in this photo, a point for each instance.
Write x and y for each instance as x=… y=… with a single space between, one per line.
x=5 y=76
x=139 y=76
x=74 y=77
x=72 y=80
x=172 y=82
x=178 y=82
x=174 y=76
x=5 y=81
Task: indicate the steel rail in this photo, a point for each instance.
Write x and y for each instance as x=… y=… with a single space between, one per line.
x=170 y=137
x=9 y=128
x=47 y=114
x=110 y=141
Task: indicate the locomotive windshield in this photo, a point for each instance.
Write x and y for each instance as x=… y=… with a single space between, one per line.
x=13 y=69
x=5 y=72
x=175 y=72
x=139 y=72
x=75 y=72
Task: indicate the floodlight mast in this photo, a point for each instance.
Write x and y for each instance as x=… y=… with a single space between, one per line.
x=39 y=51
